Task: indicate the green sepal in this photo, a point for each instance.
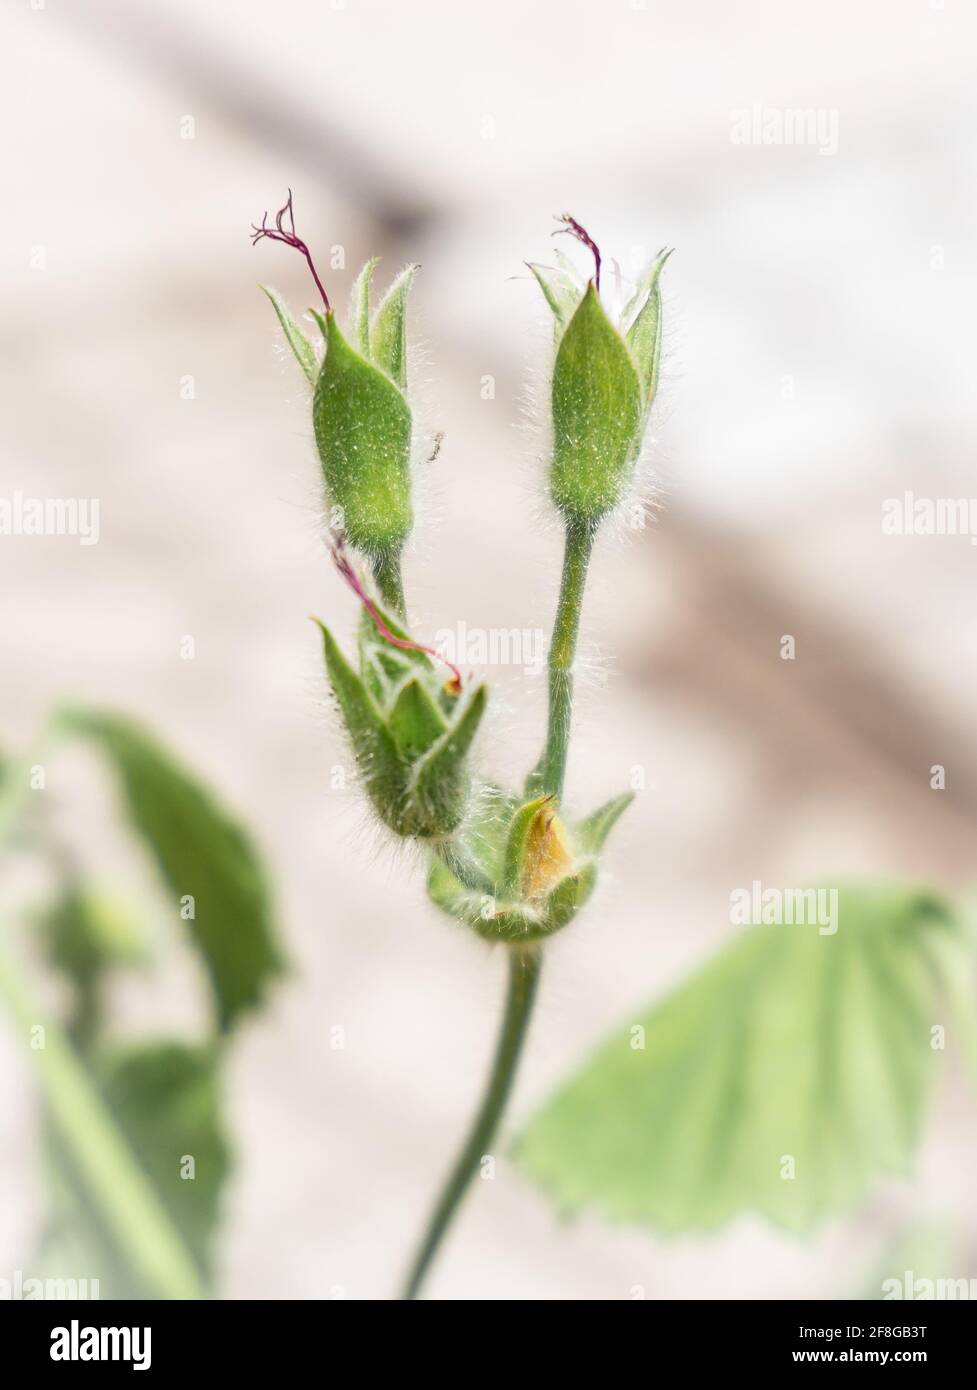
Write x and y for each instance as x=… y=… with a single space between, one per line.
x=591 y=833
x=568 y=897
x=388 y=332
x=359 y=307
x=518 y=845
x=362 y=428
x=296 y=339
x=373 y=745
x=560 y=290
x=383 y=666
x=415 y=721
x=499 y=920
x=597 y=413
x=644 y=335
x=441 y=783
x=490 y=879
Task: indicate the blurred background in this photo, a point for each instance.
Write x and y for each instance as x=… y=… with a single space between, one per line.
x=820 y=359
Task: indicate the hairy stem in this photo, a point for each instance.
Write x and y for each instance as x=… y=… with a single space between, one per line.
x=386 y=572
x=550 y=772
x=524 y=970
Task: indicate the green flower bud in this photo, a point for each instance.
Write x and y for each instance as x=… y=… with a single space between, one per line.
x=596 y=400
x=522 y=873
x=604 y=381
x=360 y=416
x=410 y=731
x=362 y=428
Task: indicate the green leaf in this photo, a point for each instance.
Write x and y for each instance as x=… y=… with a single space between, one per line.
x=790 y=1047
x=165 y=1099
x=593 y=832
x=201 y=851
x=85 y=934
x=296 y=339
x=388 y=335
x=363 y=431
x=104 y=1168
x=645 y=333
x=360 y=306
x=597 y=411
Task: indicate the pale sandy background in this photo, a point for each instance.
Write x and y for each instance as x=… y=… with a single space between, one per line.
x=821 y=358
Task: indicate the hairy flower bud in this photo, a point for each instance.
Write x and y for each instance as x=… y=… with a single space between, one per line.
x=604 y=381
x=522 y=873
x=363 y=433
x=409 y=729
x=360 y=415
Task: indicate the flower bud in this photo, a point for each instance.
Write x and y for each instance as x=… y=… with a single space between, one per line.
x=360 y=416
x=597 y=412
x=528 y=873
x=604 y=381
x=409 y=729
x=362 y=428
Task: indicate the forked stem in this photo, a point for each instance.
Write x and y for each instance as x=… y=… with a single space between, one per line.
x=524 y=970
x=525 y=963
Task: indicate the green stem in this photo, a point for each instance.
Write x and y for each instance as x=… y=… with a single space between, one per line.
x=116 y=1185
x=386 y=572
x=524 y=969
x=549 y=775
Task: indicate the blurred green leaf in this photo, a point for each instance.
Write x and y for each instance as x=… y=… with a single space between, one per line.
x=103 y=1167
x=790 y=1052
x=201 y=852
x=164 y=1097
x=85 y=931
x=84 y=934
